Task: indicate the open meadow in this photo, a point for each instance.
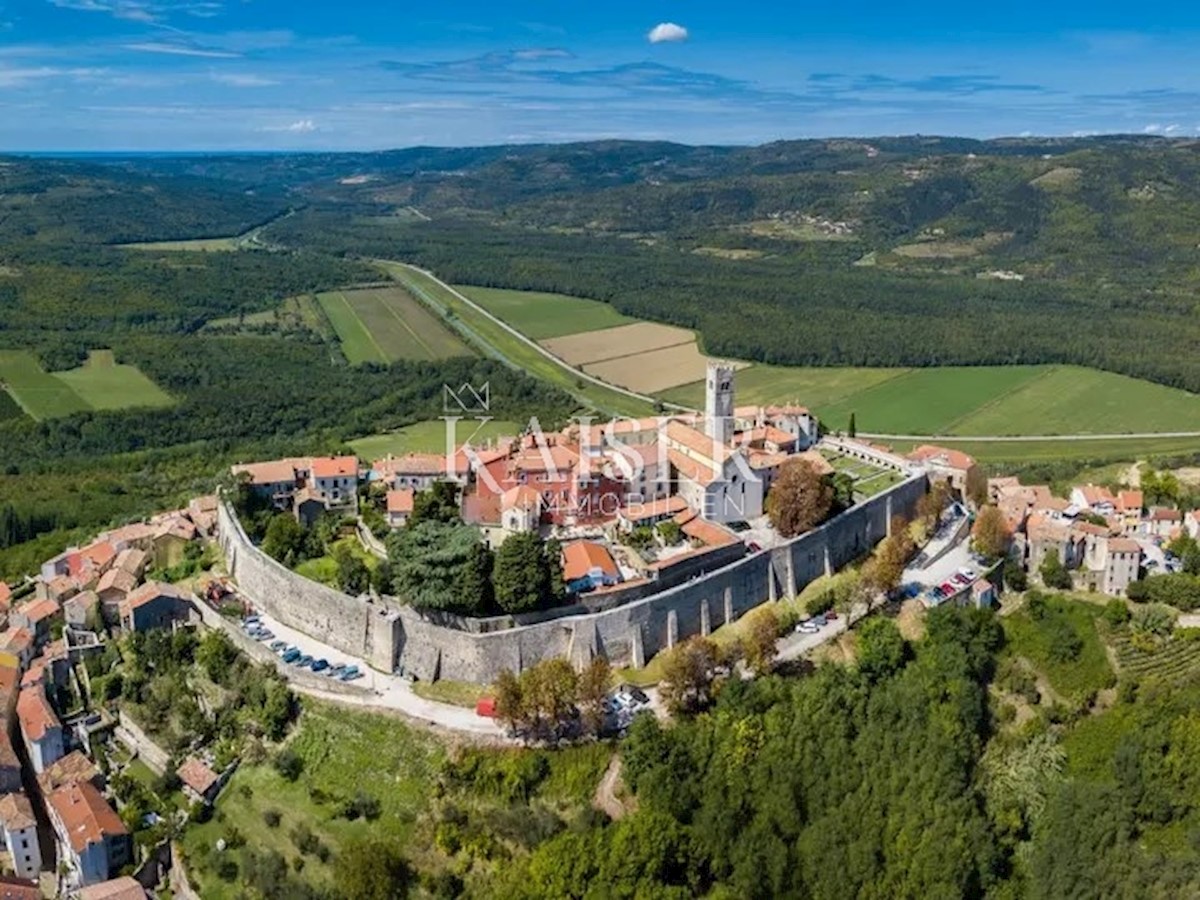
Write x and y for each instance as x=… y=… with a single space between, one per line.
x=430 y=437
x=622 y=341
x=387 y=324
x=97 y=385
x=540 y=315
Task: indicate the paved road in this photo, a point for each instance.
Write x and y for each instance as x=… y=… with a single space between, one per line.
x=1015 y=438
x=385 y=691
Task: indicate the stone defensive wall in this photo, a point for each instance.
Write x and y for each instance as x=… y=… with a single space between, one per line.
x=389 y=635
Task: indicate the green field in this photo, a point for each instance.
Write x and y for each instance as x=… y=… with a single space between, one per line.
x=430 y=437
x=542 y=316
x=499 y=344
x=977 y=400
x=927 y=401
x=1073 y=400
x=99 y=384
x=202 y=245
x=812 y=387
x=102 y=383
x=1092 y=450
x=387 y=324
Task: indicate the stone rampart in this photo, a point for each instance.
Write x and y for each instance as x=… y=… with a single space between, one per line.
x=627 y=635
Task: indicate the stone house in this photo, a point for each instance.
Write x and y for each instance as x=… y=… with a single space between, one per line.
x=399 y=507
x=154 y=605
x=93 y=842
x=81 y=609
x=37 y=618
x=40 y=728
x=114 y=587
x=20 y=835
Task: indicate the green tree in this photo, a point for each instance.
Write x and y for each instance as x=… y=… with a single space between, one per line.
x=595 y=681
x=1014 y=576
x=353 y=576
x=522 y=578
x=688 y=675
x=852 y=428
x=372 y=869
x=216 y=655
x=759 y=640
x=437 y=565
x=670 y=532
x=1054 y=573
x=881 y=648
x=437 y=504
x=989 y=534
x=285 y=539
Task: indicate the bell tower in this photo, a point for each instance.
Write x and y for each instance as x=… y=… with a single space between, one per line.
x=718 y=401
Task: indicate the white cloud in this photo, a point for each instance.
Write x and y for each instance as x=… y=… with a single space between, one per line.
x=300 y=126
x=18 y=76
x=667 y=32
x=242 y=80
x=1152 y=129
x=1171 y=129
x=181 y=50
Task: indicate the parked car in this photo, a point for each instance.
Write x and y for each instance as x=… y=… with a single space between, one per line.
x=639 y=695
x=807 y=628
x=820 y=620
x=276 y=646
x=304 y=661
x=960 y=578
x=351 y=674
x=738 y=526
x=265 y=635
x=948 y=587
x=335 y=671
x=290 y=656
x=320 y=665
x=251 y=620
x=831 y=615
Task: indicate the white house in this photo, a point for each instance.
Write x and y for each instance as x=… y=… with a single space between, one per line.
x=335 y=479
x=20 y=835
x=93 y=843
x=399 y=507
x=520 y=509
x=40 y=728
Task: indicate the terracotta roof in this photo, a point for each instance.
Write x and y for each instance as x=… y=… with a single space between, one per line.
x=177 y=526
x=69 y=769
x=697 y=442
x=35 y=675
x=1038 y=527
x=276 y=471
x=521 y=497
x=39 y=610
x=84 y=601
x=62 y=586
x=196 y=775
x=708 y=533
x=761 y=460
x=1164 y=514
x=945 y=456
x=581 y=557
x=981 y=586
x=16 y=640
x=1094 y=494
x=13 y=888
x=205 y=503
x=691 y=469
x=655 y=509
x=1057 y=504
x=16 y=812
x=1090 y=528
x=557 y=458
x=117 y=579
x=85 y=815
x=412 y=464
x=633 y=426
x=481 y=509
x=10 y=681
x=1130 y=501
x=400 y=501
x=129 y=534
x=1124 y=545
x=335 y=466
x=5 y=595
x=124 y=888
x=99 y=554
x=8 y=754
x=149 y=592
x=35 y=714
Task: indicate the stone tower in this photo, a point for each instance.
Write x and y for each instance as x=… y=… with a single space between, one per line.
x=718 y=401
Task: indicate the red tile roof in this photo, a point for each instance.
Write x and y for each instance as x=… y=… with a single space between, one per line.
x=1124 y=545
x=5 y=596
x=13 y=888
x=691 y=469
x=124 y=888
x=39 y=610
x=16 y=812
x=697 y=442
x=196 y=775
x=581 y=557
x=99 y=554
x=67 y=770
x=35 y=714
x=400 y=501
x=1164 y=514
x=521 y=497
x=16 y=640
x=1130 y=501
x=276 y=471
x=335 y=466
x=117 y=579
x=946 y=456
x=149 y=592
x=85 y=815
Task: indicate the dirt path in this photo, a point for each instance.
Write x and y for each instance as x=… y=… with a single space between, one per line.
x=606 y=799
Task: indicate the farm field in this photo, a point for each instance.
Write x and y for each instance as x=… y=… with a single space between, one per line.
x=202 y=245
x=622 y=341
x=1072 y=400
x=429 y=437
x=653 y=371
x=498 y=343
x=1092 y=450
x=36 y=391
x=103 y=383
x=539 y=315
x=927 y=401
x=387 y=324
x=762 y=385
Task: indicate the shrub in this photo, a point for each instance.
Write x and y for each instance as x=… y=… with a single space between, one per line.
x=271 y=818
x=227 y=869
x=1116 y=613
x=304 y=839
x=288 y=764
x=199 y=813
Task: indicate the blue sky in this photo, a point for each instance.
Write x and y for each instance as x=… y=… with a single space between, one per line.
x=265 y=74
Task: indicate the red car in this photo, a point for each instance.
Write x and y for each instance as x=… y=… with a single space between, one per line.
x=831 y=615
x=753 y=546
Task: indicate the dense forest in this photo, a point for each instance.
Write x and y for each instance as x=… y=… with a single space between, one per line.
x=893 y=777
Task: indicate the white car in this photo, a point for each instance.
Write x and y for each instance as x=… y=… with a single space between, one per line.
x=807 y=628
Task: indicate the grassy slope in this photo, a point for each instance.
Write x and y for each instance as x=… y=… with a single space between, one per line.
x=813 y=387
x=429 y=437
x=1072 y=400
x=344 y=752
x=498 y=343
x=1030 y=639
x=103 y=384
x=1048 y=451
x=540 y=315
